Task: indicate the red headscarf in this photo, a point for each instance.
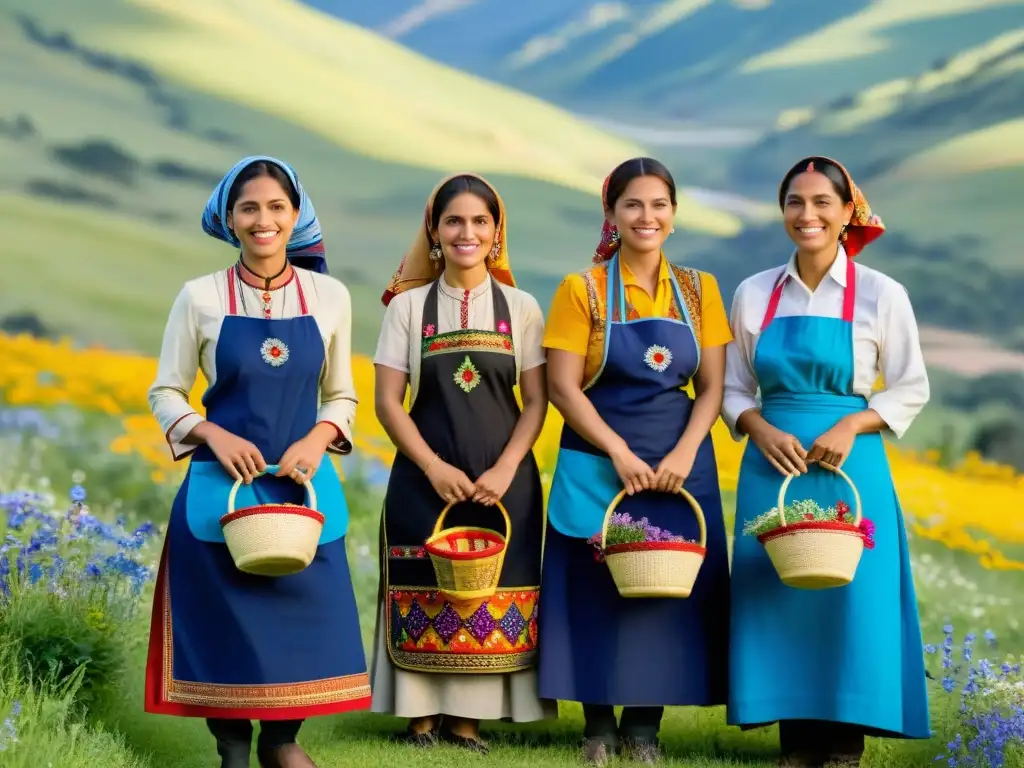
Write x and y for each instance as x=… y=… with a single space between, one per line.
x=864 y=227
x=609 y=232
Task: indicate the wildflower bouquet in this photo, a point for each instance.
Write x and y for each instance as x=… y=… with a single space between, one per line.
x=798 y=513
x=648 y=561
x=813 y=547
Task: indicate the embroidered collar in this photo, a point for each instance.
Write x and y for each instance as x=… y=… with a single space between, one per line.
x=457 y=294
x=837 y=271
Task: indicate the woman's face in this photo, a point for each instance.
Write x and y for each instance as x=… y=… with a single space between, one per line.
x=813 y=213
x=466 y=231
x=643 y=214
x=263 y=218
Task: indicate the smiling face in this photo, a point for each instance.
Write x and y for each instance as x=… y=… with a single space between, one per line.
x=466 y=230
x=263 y=218
x=643 y=214
x=814 y=213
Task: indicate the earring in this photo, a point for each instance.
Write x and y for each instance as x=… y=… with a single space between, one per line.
x=435 y=254
x=615 y=235
x=495 y=250
x=672 y=231
x=842 y=235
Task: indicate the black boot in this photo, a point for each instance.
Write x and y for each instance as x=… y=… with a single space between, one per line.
x=234 y=741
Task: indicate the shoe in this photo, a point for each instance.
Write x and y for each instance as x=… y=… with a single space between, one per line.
x=234 y=754
x=422 y=739
x=476 y=744
x=646 y=752
x=597 y=752
x=287 y=756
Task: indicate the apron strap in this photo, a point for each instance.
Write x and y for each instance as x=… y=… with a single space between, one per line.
x=232 y=298
x=303 y=308
x=849 y=295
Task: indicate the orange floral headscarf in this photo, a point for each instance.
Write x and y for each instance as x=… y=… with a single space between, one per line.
x=417 y=268
x=865 y=227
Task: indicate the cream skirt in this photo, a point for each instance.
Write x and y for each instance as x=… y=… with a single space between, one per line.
x=511 y=696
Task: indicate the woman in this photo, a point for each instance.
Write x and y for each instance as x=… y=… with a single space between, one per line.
x=629 y=422
x=271 y=335
x=813 y=337
x=460 y=336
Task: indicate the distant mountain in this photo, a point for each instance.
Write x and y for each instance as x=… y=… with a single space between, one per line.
x=706 y=61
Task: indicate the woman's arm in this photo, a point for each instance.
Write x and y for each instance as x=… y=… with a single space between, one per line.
x=709 y=389
x=906 y=388
x=338 y=399
x=176 y=374
x=389 y=405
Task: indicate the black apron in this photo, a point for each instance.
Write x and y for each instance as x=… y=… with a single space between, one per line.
x=466 y=410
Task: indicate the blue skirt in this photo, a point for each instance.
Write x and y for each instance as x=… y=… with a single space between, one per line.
x=227 y=644
x=596 y=647
x=850 y=654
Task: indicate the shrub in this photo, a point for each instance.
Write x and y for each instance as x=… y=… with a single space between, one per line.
x=69 y=583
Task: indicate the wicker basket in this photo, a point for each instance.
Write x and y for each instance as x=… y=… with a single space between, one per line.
x=468 y=560
x=815 y=555
x=272 y=539
x=656 y=568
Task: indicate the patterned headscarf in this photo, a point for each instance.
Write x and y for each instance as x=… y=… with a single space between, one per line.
x=305 y=246
x=609 y=232
x=864 y=227
x=417 y=268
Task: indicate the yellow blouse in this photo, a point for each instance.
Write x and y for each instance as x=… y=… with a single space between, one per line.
x=578 y=313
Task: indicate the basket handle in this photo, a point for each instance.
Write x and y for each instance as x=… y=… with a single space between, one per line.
x=781 y=505
x=271 y=468
x=694 y=504
x=439 y=525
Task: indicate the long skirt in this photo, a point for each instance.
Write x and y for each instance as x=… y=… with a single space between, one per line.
x=849 y=654
x=226 y=644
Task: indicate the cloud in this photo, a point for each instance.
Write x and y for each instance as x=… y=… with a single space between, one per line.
x=596 y=18
x=419 y=15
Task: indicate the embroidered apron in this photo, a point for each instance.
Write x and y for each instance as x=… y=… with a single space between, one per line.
x=232 y=645
x=466 y=410
x=851 y=654
x=600 y=648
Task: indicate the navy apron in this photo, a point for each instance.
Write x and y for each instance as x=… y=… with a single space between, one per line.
x=226 y=644
x=465 y=410
x=850 y=654
x=598 y=647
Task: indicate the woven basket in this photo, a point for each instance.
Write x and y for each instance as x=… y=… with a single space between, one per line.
x=272 y=539
x=815 y=555
x=656 y=568
x=468 y=560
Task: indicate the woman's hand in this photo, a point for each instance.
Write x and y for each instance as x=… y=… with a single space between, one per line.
x=451 y=483
x=782 y=450
x=674 y=469
x=302 y=459
x=636 y=475
x=238 y=456
x=834 y=446
x=493 y=484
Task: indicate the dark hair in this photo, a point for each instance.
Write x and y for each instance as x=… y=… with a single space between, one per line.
x=635 y=169
x=460 y=185
x=255 y=171
x=824 y=166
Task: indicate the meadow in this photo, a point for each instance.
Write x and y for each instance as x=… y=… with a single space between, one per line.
x=86 y=485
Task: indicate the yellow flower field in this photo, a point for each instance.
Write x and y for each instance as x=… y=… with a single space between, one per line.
x=965 y=509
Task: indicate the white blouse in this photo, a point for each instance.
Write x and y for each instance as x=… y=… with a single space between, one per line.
x=401 y=333
x=190 y=345
x=885 y=339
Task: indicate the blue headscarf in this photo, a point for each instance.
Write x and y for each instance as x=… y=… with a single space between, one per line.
x=306 y=245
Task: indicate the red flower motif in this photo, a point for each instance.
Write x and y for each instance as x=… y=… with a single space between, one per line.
x=434 y=346
x=429 y=330
x=842 y=510
x=506 y=344
x=808 y=516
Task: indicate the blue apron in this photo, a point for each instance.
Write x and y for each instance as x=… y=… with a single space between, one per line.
x=851 y=654
x=597 y=647
x=229 y=644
